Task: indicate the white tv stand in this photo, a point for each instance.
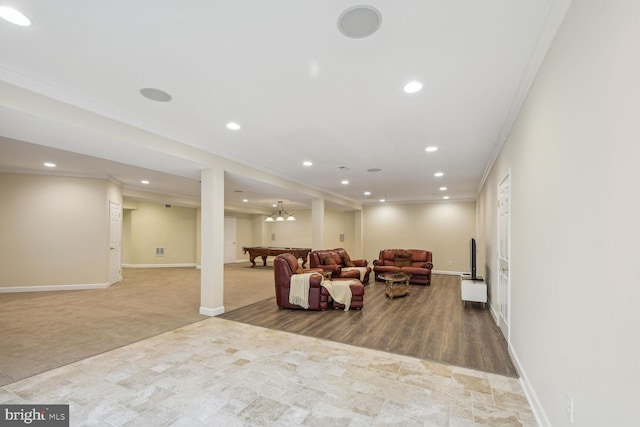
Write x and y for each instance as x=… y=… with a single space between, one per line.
x=473 y=290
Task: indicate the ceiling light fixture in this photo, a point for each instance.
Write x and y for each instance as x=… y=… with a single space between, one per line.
x=344 y=182
x=431 y=149
x=233 y=126
x=12 y=15
x=307 y=163
x=446 y=197
x=367 y=193
x=277 y=215
x=359 y=21
x=443 y=188
x=245 y=200
x=145 y=182
x=155 y=94
x=49 y=164
x=383 y=200
x=438 y=174
x=413 y=87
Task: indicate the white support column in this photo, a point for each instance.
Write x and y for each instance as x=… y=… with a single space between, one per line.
x=212 y=242
x=317 y=224
x=358 y=241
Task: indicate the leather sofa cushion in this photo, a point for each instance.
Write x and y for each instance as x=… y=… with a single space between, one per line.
x=337 y=258
x=402 y=260
x=347 y=261
x=329 y=261
x=418 y=271
x=418 y=256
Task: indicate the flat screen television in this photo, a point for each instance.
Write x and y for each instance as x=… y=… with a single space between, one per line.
x=474 y=275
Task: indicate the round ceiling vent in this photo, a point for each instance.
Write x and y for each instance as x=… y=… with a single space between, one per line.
x=359 y=21
x=155 y=94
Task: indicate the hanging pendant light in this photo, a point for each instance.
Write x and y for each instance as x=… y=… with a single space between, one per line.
x=279 y=214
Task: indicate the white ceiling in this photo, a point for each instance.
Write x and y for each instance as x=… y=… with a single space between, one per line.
x=299 y=88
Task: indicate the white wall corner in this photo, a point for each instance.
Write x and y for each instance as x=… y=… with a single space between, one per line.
x=532 y=397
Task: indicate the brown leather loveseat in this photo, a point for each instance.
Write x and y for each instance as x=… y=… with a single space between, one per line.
x=338 y=262
x=416 y=262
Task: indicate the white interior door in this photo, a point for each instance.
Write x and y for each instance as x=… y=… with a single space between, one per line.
x=230 y=224
x=504 y=266
x=115 y=242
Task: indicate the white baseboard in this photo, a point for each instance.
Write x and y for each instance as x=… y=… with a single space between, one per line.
x=186 y=264
x=212 y=311
x=448 y=273
x=536 y=407
x=47 y=288
x=238 y=261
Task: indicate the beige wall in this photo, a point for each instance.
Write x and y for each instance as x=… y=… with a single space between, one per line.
x=337 y=223
x=573 y=154
x=444 y=228
x=295 y=234
x=244 y=234
x=152 y=225
x=252 y=230
x=55 y=230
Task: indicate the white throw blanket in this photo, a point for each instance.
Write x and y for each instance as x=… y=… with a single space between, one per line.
x=362 y=270
x=299 y=289
x=340 y=291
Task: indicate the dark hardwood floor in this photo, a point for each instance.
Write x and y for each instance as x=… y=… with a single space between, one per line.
x=429 y=323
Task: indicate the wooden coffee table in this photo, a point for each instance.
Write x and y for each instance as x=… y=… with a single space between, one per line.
x=396 y=284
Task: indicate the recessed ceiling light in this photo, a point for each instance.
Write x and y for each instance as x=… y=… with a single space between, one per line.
x=382 y=200
x=12 y=15
x=443 y=188
x=359 y=21
x=233 y=126
x=144 y=181
x=446 y=197
x=413 y=87
x=431 y=149
x=307 y=163
x=344 y=182
x=245 y=200
x=367 y=193
x=438 y=174
x=374 y=170
x=50 y=165
x=155 y=94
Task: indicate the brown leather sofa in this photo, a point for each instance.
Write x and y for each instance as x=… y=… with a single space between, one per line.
x=335 y=260
x=416 y=262
x=285 y=266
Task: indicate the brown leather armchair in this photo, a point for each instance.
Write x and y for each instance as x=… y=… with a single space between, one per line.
x=416 y=262
x=335 y=261
x=285 y=266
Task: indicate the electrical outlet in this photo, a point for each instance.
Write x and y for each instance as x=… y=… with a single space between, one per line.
x=569 y=407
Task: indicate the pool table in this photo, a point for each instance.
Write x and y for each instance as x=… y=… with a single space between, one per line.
x=265 y=251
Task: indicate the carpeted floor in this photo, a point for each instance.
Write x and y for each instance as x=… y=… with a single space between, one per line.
x=40 y=331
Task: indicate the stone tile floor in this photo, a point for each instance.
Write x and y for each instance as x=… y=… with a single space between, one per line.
x=222 y=373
